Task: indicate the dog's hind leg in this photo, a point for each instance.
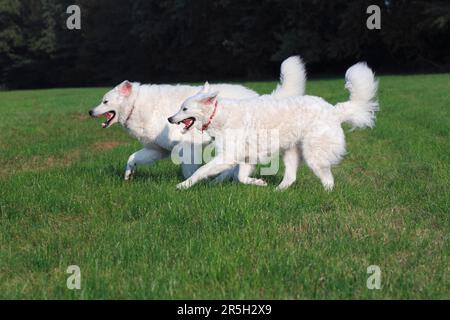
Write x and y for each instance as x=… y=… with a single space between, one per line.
x=322 y=151
x=319 y=164
x=325 y=176
x=291 y=159
x=319 y=155
x=143 y=156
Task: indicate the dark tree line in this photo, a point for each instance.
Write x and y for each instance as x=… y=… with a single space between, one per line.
x=185 y=40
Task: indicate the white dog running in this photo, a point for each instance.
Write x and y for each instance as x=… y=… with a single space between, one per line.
x=308 y=127
x=143 y=111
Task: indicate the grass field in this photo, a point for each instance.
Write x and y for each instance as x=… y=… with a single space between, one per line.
x=63 y=202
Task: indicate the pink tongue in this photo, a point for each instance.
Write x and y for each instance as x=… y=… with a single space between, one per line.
x=108 y=115
x=187 y=122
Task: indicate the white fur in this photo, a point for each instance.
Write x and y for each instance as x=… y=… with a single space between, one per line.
x=292 y=84
x=148 y=107
x=308 y=127
x=292 y=78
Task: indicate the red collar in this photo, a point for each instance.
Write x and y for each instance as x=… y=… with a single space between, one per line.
x=206 y=125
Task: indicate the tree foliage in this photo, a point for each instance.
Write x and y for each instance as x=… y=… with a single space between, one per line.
x=180 y=40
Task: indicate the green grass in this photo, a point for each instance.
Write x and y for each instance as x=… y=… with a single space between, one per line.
x=63 y=202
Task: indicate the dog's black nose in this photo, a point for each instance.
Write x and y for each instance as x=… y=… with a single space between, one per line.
x=170 y=120
x=91 y=113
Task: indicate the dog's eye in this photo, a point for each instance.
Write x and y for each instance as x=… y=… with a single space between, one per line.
x=184 y=109
x=105 y=102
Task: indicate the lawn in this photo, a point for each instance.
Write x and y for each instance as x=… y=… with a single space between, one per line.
x=63 y=202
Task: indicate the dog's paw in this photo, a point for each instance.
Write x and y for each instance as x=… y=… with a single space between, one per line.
x=128 y=176
x=184 y=185
x=260 y=183
x=129 y=173
x=282 y=187
x=255 y=182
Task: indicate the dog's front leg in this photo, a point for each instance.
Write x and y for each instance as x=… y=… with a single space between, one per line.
x=245 y=170
x=212 y=168
x=143 y=156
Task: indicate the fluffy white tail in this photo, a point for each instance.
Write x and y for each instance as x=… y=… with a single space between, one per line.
x=360 y=110
x=292 y=78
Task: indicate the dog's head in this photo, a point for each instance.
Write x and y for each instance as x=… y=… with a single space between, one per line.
x=196 y=110
x=114 y=104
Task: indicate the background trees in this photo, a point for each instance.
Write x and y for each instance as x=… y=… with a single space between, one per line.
x=184 y=40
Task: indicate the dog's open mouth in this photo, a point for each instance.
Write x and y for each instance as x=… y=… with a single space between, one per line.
x=110 y=115
x=188 y=123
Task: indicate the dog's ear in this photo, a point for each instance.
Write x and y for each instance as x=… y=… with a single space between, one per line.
x=205 y=88
x=209 y=98
x=125 y=88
